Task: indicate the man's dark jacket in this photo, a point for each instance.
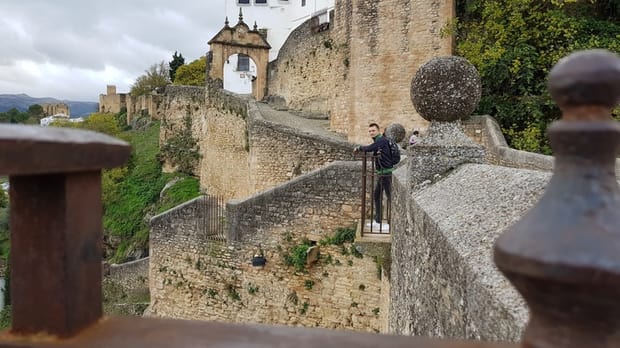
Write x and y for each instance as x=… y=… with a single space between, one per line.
x=381 y=147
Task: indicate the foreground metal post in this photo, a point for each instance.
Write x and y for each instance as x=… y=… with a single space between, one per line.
x=564 y=255
x=56 y=228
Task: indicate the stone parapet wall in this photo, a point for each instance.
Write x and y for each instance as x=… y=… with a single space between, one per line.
x=133 y=276
x=194 y=278
x=443 y=280
x=241 y=152
x=486 y=131
x=224 y=144
x=279 y=153
x=311 y=205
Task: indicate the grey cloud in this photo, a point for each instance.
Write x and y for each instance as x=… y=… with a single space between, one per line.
x=86 y=37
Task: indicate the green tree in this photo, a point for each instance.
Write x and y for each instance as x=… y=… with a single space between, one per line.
x=35 y=110
x=156 y=76
x=176 y=62
x=13 y=116
x=515 y=43
x=192 y=74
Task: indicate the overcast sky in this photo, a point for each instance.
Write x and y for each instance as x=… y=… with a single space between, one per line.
x=72 y=49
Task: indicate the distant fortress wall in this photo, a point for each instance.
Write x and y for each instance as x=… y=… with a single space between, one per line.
x=113 y=102
x=55 y=109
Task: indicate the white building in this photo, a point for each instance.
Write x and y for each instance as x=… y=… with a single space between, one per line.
x=46 y=121
x=278 y=18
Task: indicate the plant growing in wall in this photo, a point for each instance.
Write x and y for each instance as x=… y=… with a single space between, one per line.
x=232 y=292
x=211 y=292
x=304 y=308
x=296 y=257
x=252 y=289
x=309 y=284
x=182 y=150
x=341 y=235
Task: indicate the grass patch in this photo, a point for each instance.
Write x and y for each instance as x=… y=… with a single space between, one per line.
x=182 y=191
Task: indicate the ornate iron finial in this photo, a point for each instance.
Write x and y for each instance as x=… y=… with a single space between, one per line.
x=240 y=15
x=226 y=22
x=255 y=26
x=563 y=255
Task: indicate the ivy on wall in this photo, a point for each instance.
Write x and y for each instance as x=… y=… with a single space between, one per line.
x=182 y=150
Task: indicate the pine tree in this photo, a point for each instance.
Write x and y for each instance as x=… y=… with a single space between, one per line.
x=176 y=62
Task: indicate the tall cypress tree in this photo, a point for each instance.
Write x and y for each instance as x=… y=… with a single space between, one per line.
x=175 y=63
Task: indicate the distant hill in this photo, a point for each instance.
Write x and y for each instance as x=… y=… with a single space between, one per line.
x=22 y=101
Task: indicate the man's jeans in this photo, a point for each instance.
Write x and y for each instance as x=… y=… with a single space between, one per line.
x=384 y=183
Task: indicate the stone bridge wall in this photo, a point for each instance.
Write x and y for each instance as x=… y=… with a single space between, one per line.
x=133 y=276
x=194 y=278
x=279 y=153
x=444 y=282
x=242 y=152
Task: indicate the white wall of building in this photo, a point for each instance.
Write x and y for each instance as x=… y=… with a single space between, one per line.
x=46 y=121
x=238 y=81
x=279 y=17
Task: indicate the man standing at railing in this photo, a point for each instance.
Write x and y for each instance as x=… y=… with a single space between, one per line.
x=384 y=168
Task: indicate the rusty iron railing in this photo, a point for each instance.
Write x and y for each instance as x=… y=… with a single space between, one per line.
x=213 y=211
x=371 y=182
x=563 y=256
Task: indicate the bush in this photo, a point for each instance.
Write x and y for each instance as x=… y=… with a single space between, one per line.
x=514 y=44
x=297 y=256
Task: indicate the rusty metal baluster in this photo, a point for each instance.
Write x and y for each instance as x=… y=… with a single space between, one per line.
x=221 y=218
x=363 y=213
x=564 y=255
x=371 y=191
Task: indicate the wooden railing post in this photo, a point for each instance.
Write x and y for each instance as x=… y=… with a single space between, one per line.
x=55 y=224
x=564 y=255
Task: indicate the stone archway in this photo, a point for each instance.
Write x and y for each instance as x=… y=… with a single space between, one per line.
x=240 y=39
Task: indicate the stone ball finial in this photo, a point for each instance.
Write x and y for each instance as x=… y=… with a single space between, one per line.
x=446 y=89
x=586 y=78
x=396 y=132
